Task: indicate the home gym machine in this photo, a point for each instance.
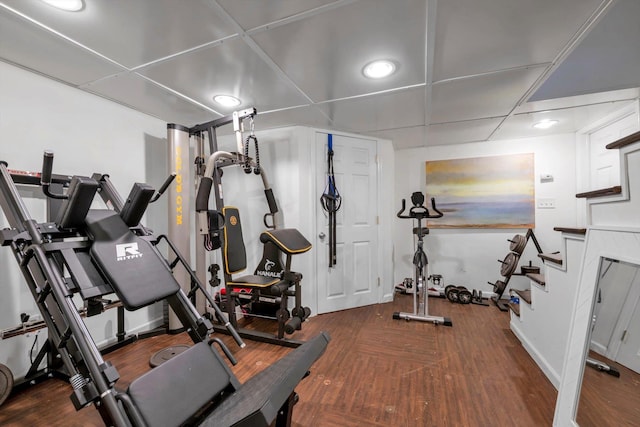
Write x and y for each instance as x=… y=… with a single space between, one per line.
x=273 y=281
x=93 y=253
x=419 y=212
x=43 y=364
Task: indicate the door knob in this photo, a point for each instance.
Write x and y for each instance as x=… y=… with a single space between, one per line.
x=321 y=235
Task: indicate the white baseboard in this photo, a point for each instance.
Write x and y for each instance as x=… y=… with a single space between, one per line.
x=542 y=363
x=148 y=326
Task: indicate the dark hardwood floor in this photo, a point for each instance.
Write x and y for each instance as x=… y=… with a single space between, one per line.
x=606 y=400
x=376 y=372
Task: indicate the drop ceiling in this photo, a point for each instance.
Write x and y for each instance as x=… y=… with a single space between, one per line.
x=467 y=70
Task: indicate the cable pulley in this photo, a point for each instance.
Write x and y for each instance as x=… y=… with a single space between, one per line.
x=247 y=159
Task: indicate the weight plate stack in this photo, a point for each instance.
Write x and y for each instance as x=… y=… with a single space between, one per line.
x=6 y=383
x=518 y=242
x=499 y=287
x=526 y=269
x=509 y=264
x=464 y=296
x=165 y=354
x=451 y=292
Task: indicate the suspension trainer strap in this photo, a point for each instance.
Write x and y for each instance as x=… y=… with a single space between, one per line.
x=331 y=202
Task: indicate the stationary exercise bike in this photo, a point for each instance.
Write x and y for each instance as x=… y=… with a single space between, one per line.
x=421 y=264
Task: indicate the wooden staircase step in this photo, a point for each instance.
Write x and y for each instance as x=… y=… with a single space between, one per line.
x=538 y=278
x=524 y=295
x=623 y=142
x=555 y=258
x=515 y=308
x=582 y=231
x=603 y=192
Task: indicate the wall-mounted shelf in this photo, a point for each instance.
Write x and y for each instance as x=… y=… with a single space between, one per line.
x=611 y=191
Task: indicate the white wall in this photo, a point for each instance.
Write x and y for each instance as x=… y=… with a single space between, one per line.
x=88 y=134
x=468 y=257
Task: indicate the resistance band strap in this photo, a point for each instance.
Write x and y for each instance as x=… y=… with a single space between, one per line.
x=331 y=202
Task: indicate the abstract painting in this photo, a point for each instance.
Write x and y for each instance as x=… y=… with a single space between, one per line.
x=483 y=192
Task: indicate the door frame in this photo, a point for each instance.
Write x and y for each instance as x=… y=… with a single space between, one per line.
x=385 y=189
x=631 y=304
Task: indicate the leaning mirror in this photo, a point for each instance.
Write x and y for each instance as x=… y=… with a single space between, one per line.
x=601 y=374
x=610 y=392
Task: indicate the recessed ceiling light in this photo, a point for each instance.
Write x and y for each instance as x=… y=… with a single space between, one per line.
x=227 y=100
x=379 y=69
x=545 y=124
x=68 y=5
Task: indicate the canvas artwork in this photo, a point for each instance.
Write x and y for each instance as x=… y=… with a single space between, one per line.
x=483 y=192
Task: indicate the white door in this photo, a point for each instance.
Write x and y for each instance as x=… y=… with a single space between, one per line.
x=605 y=164
x=629 y=352
x=353 y=281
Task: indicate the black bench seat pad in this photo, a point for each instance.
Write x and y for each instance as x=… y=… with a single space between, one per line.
x=253 y=281
x=136 y=272
x=258 y=401
x=288 y=240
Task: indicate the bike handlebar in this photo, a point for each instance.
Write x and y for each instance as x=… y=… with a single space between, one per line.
x=419 y=212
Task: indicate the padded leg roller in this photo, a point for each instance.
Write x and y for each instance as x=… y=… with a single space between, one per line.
x=259 y=400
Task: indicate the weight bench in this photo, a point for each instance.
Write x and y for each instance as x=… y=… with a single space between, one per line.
x=107 y=251
x=275 y=284
x=205 y=379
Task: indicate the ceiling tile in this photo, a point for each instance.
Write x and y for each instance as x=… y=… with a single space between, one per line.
x=478 y=36
x=142 y=95
x=253 y=14
x=30 y=46
x=577 y=101
x=489 y=95
x=132 y=32
x=384 y=111
x=605 y=60
x=324 y=54
x=457 y=133
x=570 y=120
x=231 y=68
x=403 y=138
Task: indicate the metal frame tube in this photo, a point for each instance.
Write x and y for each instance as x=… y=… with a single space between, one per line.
x=200 y=254
x=179 y=205
x=12 y=204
